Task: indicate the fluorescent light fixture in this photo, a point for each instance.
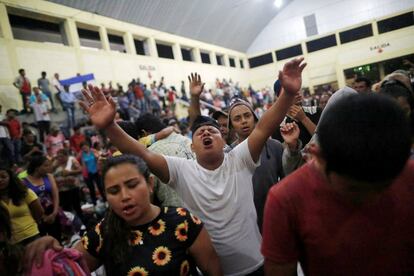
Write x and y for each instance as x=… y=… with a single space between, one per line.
x=278 y=3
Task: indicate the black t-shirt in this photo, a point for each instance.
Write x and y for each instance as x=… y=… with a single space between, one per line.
x=304 y=135
x=159 y=247
x=27 y=148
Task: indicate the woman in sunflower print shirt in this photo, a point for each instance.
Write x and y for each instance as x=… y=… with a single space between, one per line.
x=139 y=238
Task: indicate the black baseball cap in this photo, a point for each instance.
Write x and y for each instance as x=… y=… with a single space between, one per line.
x=216 y=114
x=204 y=121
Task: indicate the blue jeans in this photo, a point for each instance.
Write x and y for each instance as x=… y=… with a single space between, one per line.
x=70 y=112
x=17 y=146
x=49 y=95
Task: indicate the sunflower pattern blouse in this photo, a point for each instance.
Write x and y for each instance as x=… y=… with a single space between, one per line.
x=158 y=248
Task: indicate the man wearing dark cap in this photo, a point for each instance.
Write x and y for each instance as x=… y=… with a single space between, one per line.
x=221 y=117
x=216 y=186
x=242 y=120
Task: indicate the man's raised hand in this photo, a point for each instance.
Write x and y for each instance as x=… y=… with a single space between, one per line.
x=291 y=75
x=196 y=85
x=101 y=109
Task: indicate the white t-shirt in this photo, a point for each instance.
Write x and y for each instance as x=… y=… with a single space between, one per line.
x=40 y=111
x=56 y=83
x=4 y=131
x=223 y=200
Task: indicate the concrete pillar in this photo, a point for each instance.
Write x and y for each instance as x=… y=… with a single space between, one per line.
x=151 y=47
x=104 y=38
x=71 y=32
x=196 y=55
x=177 y=52
x=5 y=27
x=129 y=43
x=213 y=58
x=226 y=61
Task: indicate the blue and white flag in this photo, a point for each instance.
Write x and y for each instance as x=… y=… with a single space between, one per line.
x=75 y=83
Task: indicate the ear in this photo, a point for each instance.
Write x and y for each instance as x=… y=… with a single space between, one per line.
x=151 y=183
x=316 y=152
x=192 y=147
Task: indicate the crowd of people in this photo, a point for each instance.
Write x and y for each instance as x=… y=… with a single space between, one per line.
x=250 y=183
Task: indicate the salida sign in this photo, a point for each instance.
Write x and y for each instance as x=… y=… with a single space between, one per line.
x=379 y=48
x=147 y=67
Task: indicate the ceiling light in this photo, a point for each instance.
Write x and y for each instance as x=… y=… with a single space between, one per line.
x=278 y=3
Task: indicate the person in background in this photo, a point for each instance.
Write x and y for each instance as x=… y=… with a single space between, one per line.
x=362 y=85
x=41 y=111
x=15 y=131
x=76 y=139
x=58 y=87
x=67 y=172
x=44 y=85
x=89 y=160
x=54 y=141
x=30 y=146
x=68 y=103
x=7 y=148
x=23 y=84
x=23 y=207
x=41 y=181
x=137 y=237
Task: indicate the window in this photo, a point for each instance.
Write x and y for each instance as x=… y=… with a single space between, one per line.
x=89 y=38
x=356 y=33
x=165 y=51
x=205 y=58
x=140 y=47
x=260 y=60
x=187 y=54
x=241 y=64
x=116 y=43
x=220 y=60
x=289 y=52
x=232 y=63
x=321 y=43
x=26 y=28
x=396 y=22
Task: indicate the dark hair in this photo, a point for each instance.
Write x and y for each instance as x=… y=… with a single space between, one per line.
x=364 y=79
x=27 y=131
x=396 y=89
x=85 y=143
x=365 y=137
x=21 y=70
x=149 y=123
x=35 y=162
x=17 y=191
x=130 y=128
x=12 y=254
x=43 y=73
x=77 y=127
x=5 y=223
x=117 y=231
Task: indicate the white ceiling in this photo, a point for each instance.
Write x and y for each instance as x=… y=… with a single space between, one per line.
x=233 y=24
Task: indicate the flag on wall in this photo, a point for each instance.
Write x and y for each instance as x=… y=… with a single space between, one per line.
x=75 y=83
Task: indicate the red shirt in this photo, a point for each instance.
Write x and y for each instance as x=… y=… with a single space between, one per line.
x=306 y=221
x=14 y=128
x=75 y=141
x=139 y=94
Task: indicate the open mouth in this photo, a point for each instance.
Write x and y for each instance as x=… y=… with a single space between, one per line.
x=128 y=210
x=207 y=141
